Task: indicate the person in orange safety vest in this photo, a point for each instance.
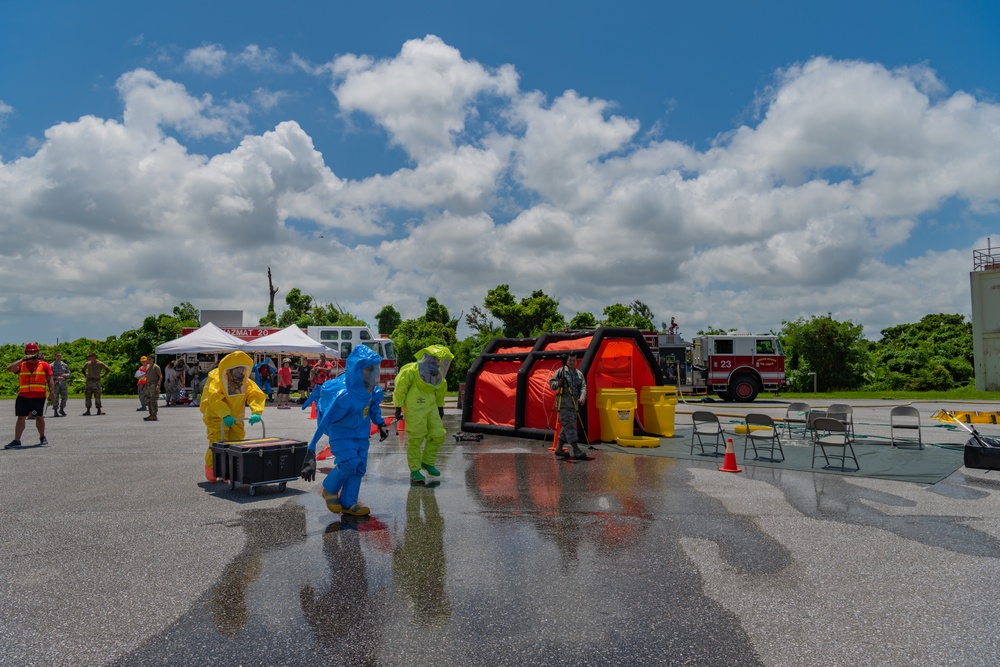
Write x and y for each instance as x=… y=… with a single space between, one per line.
x=35 y=383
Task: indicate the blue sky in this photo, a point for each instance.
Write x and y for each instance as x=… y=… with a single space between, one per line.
x=730 y=164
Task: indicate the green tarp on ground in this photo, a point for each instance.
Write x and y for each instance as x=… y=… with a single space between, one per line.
x=876 y=458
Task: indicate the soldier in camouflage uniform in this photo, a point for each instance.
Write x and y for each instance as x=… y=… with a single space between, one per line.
x=571 y=393
x=60 y=376
x=93 y=371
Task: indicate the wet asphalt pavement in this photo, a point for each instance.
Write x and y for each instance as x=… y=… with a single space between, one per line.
x=116 y=552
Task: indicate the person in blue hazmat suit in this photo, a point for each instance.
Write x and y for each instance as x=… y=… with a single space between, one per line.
x=419 y=395
x=265 y=374
x=224 y=399
x=346 y=406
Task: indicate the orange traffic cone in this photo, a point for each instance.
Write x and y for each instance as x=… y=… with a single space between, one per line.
x=729 y=462
x=312 y=413
x=400 y=425
x=324 y=455
x=374 y=429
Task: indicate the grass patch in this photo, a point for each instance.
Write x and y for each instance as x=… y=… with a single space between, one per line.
x=961 y=394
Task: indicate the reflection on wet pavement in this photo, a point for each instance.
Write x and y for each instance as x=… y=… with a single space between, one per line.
x=344 y=615
x=543 y=562
x=418 y=561
x=265 y=530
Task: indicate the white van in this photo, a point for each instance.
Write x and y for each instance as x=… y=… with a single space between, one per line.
x=343 y=339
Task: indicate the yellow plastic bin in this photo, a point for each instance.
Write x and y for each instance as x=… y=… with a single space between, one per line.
x=658 y=407
x=617 y=408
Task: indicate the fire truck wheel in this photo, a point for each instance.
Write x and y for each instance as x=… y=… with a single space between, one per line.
x=743 y=389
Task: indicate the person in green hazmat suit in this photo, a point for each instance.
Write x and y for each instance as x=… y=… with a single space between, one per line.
x=419 y=393
x=224 y=399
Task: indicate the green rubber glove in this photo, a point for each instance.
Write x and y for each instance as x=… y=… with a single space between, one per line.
x=254 y=419
x=228 y=420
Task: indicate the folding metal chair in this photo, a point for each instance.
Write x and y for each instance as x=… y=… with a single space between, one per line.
x=907 y=418
x=833 y=433
x=706 y=424
x=797 y=416
x=843 y=413
x=765 y=436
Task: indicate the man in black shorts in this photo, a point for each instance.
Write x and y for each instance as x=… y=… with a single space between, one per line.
x=304 y=382
x=34 y=383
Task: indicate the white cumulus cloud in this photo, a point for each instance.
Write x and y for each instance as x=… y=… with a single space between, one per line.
x=796 y=214
x=423 y=96
x=207 y=58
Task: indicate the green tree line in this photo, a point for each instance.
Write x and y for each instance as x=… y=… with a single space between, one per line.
x=932 y=354
x=121 y=353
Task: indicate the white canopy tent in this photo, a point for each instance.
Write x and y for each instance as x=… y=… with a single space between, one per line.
x=290 y=340
x=208 y=338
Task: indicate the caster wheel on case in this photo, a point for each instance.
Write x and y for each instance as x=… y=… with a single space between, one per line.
x=281 y=487
x=252 y=491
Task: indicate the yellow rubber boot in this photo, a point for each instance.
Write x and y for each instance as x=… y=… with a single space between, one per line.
x=332 y=501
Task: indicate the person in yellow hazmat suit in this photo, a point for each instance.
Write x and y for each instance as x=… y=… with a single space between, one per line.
x=224 y=398
x=419 y=392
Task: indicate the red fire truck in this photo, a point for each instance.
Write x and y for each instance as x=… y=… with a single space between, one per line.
x=737 y=366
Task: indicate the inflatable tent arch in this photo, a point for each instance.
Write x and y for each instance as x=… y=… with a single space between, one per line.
x=507 y=388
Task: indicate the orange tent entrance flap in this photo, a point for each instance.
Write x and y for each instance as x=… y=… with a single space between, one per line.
x=539 y=405
x=540 y=401
x=495 y=390
x=614 y=365
x=617 y=365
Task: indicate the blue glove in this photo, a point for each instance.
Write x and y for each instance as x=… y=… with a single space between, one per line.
x=228 y=420
x=254 y=419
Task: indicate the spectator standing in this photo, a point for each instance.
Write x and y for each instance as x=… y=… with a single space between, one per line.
x=197 y=380
x=34 y=378
x=93 y=372
x=320 y=373
x=141 y=383
x=284 y=384
x=304 y=382
x=173 y=391
x=60 y=381
x=154 y=380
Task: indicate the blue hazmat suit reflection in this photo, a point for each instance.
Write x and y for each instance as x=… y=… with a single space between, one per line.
x=345 y=409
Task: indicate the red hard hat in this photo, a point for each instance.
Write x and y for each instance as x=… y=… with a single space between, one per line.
x=31 y=348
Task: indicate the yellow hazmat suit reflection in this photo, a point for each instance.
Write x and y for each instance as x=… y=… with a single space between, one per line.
x=418 y=564
x=227 y=392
